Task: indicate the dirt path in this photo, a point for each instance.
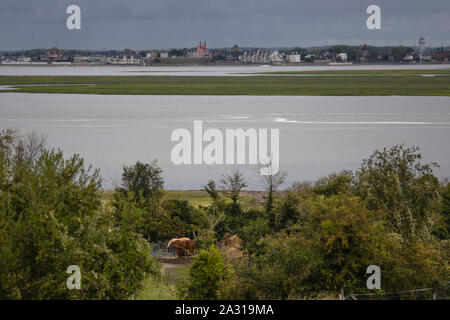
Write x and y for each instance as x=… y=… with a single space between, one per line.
x=171 y=266
x=166 y=265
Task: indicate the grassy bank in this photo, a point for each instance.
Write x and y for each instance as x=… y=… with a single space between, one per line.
x=154 y=289
x=363 y=83
x=249 y=199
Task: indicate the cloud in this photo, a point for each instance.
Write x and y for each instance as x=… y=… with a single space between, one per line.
x=144 y=24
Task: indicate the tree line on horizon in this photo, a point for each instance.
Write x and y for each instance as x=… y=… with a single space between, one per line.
x=354 y=52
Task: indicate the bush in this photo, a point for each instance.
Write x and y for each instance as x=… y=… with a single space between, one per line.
x=143 y=179
x=328 y=250
x=336 y=183
x=205 y=276
x=443 y=229
x=396 y=182
x=51 y=217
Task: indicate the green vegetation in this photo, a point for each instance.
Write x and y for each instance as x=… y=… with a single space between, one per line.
x=200 y=198
x=197 y=198
x=310 y=241
x=206 y=276
x=315 y=84
x=51 y=217
x=444 y=230
x=157 y=289
x=316 y=240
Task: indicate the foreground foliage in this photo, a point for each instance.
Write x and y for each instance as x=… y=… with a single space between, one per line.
x=310 y=241
x=317 y=240
x=51 y=217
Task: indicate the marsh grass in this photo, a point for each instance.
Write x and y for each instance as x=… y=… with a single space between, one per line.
x=197 y=198
x=356 y=83
x=157 y=289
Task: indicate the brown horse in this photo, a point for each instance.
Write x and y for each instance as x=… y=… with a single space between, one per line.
x=170 y=244
x=182 y=246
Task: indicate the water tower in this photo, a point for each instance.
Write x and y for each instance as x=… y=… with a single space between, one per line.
x=422 y=43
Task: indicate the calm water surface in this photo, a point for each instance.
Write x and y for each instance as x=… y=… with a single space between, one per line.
x=238 y=70
x=318 y=135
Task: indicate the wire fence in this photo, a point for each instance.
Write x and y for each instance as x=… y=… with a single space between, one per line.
x=416 y=294
x=160 y=250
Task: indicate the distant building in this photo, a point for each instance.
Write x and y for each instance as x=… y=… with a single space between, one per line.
x=126 y=59
x=342 y=57
x=234 y=53
x=294 y=58
x=202 y=52
x=262 y=57
x=164 y=55
x=54 y=54
x=16 y=60
x=154 y=54
x=91 y=59
x=258 y=56
x=422 y=44
x=235 y=49
x=310 y=57
x=408 y=58
x=276 y=58
x=199 y=52
x=81 y=59
x=23 y=59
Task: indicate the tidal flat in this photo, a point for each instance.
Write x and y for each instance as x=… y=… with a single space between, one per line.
x=304 y=83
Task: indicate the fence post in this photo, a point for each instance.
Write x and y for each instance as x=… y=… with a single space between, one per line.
x=341 y=295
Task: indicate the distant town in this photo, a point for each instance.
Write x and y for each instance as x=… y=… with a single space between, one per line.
x=331 y=55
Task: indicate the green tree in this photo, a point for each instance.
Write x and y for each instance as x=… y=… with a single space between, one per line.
x=336 y=183
x=51 y=217
x=395 y=182
x=185 y=220
x=131 y=214
x=144 y=179
x=288 y=212
x=233 y=185
x=271 y=184
x=327 y=251
x=446 y=206
x=279 y=273
x=442 y=229
x=211 y=190
x=205 y=276
x=218 y=203
x=345 y=234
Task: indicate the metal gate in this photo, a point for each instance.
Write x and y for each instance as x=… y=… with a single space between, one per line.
x=159 y=250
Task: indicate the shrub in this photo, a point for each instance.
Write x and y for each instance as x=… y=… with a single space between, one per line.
x=143 y=179
x=205 y=276
x=51 y=217
x=396 y=182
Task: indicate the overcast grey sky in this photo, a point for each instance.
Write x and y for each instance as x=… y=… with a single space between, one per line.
x=145 y=24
